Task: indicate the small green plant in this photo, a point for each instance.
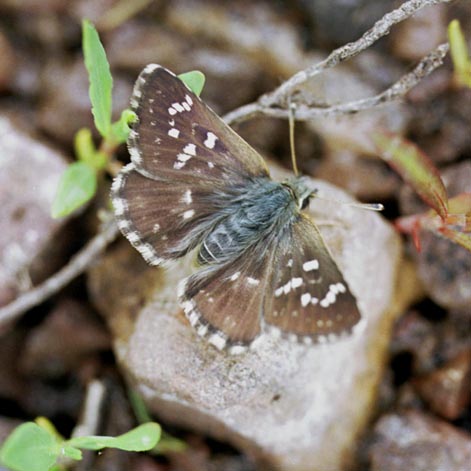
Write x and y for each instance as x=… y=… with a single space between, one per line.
x=450 y=218
x=37 y=446
x=459 y=54
x=79 y=182
x=168 y=443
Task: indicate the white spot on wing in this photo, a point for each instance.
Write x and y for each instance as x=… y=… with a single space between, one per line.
x=124 y=225
x=296 y=282
x=135 y=155
x=305 y=299
x=133 y=237
x=174 y=133
x=190 y=149
x=237 y=349
x=119 y=206
x=217 y=340
x=252 y=281
x=150 y=68
x=331 y=295
x=311 y=265
x=186 y=198
x=210 y=141
x=202 y=330
x=183 y=157
x=188 y=214
x=179 y=108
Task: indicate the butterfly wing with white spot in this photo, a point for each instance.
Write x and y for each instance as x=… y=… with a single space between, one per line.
x=178 y=137
x=225 y=304
x=186 y=165
x=161 y=219
x=307 y=296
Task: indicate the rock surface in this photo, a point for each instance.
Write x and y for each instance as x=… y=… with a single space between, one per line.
x=415 y=441
x=289 y=406
x=29 y=173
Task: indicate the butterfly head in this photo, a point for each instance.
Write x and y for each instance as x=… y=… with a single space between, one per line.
x=300 y=191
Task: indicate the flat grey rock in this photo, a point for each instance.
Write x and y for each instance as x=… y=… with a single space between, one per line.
x=290 y=406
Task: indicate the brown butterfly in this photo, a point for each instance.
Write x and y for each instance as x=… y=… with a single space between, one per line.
x=193 y=183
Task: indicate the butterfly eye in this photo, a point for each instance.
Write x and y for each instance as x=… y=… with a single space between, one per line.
x=305 y=201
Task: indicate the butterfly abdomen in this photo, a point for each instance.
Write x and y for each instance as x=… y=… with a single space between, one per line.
x=249 y=217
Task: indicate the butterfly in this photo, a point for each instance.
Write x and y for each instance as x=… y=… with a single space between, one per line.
x=194 y=184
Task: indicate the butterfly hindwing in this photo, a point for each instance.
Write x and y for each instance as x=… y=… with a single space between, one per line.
x=225 y=303
x=178 y=137
x=289 y=284
x=307 y=296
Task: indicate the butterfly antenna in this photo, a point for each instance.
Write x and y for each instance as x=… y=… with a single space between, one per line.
x=292 y=112
x=368 y=206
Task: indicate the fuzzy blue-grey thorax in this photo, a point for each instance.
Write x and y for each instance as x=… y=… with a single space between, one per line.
x=262 y=207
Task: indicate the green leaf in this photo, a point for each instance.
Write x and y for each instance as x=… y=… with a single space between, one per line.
x=49 y=427
x=101 y=82
x=168 y=443
x=120 y=129
x=30 y=448
x=415 y=168
x=194 y=80
x=76 y=186
x=72 y=452
x=142 y=438
x=459 y=54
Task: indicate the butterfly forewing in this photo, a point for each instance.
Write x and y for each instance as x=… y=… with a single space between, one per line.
x=179 y=138
x=182 y=170
x=307 y=296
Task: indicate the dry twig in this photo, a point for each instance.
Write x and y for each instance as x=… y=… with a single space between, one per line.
x=275 y=103
x=77 y=265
